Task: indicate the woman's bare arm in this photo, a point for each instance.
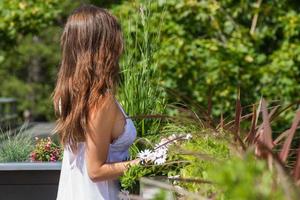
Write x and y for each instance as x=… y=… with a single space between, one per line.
x=98 y=140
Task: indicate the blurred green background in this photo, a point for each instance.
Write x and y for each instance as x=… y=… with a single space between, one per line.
x=206 y=49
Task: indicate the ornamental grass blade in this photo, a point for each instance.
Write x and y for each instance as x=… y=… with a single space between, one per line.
x=189 y=101
x=265 y=132
x=296 y=172
x=260 y=127
x=258 y=111
x=284 y=109
x=281 y=136
x=209 y=105
x=222 y=121
x=273 y=111
x=230 y=125
x=237 y=120
x=150 y=116
x=251 y=135
x=190 y=180
x=287 y=144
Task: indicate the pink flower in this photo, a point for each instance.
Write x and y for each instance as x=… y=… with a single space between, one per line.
x=47 y=147
x=33 y=156
x=52 y=158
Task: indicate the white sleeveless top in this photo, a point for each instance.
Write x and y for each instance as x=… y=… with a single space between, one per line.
x=75 y=184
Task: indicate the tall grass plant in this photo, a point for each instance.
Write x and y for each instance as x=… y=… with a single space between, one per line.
x=140 y=93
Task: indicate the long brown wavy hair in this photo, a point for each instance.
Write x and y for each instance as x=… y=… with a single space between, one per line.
x=91 y=45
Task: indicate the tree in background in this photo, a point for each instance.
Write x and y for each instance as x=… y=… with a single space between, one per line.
x=29 y=55
x=30 y=51
x=23 y=17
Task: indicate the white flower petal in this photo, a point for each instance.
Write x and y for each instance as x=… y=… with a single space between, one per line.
x=160 y=161
x=144 y=154
x=124 y=195
x=188 y=136
x=176 y=176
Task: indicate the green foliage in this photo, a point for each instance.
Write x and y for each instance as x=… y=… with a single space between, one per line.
x=211 y=151
x=218 y=171
x=22 y=17
x=206 y=48
x=245 y=178
x=30 y=34
x=16 y=148
x=130 y=179
x=32 y=77
x=231 y=176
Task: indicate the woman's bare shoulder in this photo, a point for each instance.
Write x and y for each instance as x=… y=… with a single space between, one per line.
x=107 y=108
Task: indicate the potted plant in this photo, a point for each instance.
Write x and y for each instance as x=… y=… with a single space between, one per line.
x=29 y=169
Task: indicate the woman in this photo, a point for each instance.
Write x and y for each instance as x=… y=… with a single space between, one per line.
x=91 y=124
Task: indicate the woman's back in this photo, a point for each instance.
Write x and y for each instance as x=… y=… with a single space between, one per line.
x=75 y=183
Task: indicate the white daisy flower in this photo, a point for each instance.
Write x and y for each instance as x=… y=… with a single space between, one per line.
x=158 y=156
x=151 y=157
x=144 y=154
